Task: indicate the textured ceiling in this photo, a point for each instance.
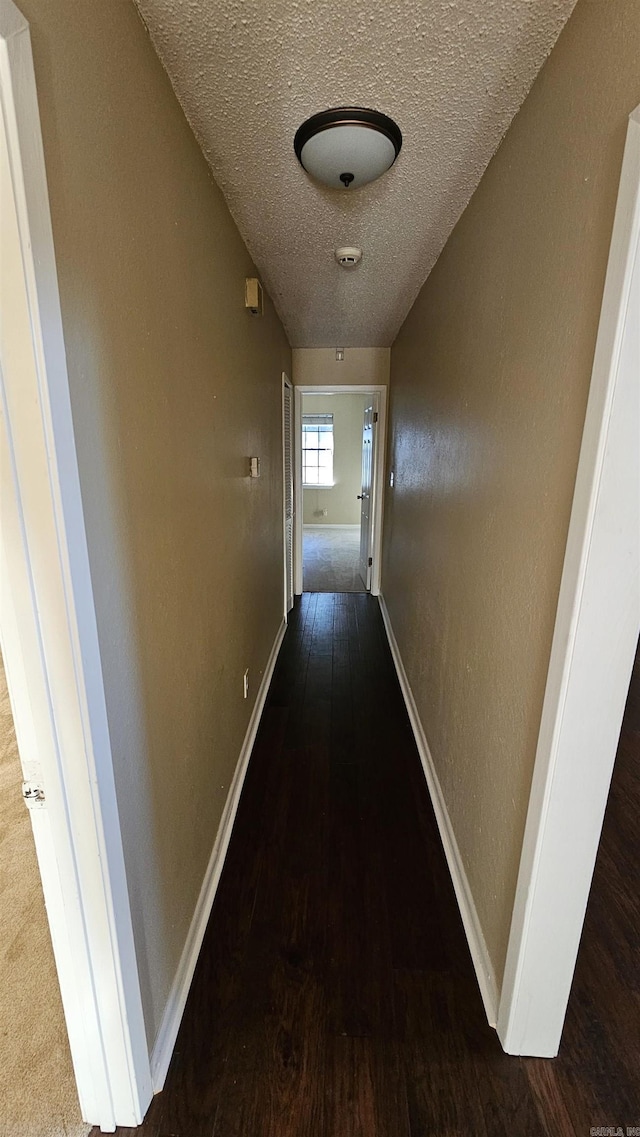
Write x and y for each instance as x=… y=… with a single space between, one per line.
x=452 y=73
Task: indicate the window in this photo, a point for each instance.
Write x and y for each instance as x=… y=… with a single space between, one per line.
x=317 y=450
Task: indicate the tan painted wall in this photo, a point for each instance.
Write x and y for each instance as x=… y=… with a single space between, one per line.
x=317 y=365
x=173 y=387
x=340 y=501
x=490 y=375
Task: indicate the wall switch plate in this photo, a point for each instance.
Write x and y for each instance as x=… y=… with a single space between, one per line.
x=245 y=684
x=339 y=355
x=391 y=479
x=254 y=467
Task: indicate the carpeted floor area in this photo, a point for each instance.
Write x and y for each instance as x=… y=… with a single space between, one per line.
x=37 y=1087
x=330 y=559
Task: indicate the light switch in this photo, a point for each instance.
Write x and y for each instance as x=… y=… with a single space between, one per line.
x=254 y=467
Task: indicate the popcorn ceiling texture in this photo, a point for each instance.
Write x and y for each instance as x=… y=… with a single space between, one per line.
x=451 y=72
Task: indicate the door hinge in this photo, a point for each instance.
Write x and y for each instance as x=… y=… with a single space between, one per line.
x=33 y=794
x=375 y=416
x=370 y=561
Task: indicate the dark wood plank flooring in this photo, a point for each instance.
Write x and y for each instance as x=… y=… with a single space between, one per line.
x=334 y=995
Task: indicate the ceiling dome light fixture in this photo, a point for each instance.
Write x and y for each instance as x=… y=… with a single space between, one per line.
x=348 y=146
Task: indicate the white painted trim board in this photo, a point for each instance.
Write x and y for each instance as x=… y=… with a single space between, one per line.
x=477 y=946
x=174 y=1010
x=289 y=595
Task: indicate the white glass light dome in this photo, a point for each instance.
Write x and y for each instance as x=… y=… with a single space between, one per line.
x=347 y=147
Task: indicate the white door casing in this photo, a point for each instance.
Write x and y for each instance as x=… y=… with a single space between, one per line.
x=366 y=514
x=595 y=636
x=288 y=489
x=49 y=633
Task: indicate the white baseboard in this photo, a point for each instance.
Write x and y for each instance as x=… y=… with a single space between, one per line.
x=475 y=938
x=166 y=1040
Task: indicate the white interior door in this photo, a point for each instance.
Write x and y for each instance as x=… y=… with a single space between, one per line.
x=366 y=511
x=49 y=633
x=287 y=441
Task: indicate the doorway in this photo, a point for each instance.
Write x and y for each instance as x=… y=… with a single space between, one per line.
x=34 y=1036
x=49 y=636
x=339 y=436
x=287 y=482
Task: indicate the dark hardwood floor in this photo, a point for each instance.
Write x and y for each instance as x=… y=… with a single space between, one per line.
x=334 y=995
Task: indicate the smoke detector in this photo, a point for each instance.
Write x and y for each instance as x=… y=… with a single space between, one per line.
x=348 y=256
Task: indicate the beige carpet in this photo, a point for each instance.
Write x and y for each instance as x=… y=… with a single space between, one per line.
x=330 y=559
x=37 y=1088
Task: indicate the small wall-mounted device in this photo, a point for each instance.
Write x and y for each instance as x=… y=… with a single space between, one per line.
x=339 y=355
x=253 y=296
x=254 y=467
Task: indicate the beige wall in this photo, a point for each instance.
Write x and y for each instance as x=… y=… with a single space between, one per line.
x=173 y=387
x=361 y=365
x=489 y=382
x=340 y=500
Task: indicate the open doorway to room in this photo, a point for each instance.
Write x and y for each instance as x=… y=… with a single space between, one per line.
x=332 y=492
x=339 y=466
x=33 y=1040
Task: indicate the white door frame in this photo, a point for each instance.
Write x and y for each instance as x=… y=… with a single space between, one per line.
x=368 y=527
x=380 y=394
x=596 y=631
x=286 y=383
x=49 y=633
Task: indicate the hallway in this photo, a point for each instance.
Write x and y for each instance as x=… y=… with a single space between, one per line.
x=335 y=996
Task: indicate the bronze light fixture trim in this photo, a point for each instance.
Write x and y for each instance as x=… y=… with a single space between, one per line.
x=347 y=147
